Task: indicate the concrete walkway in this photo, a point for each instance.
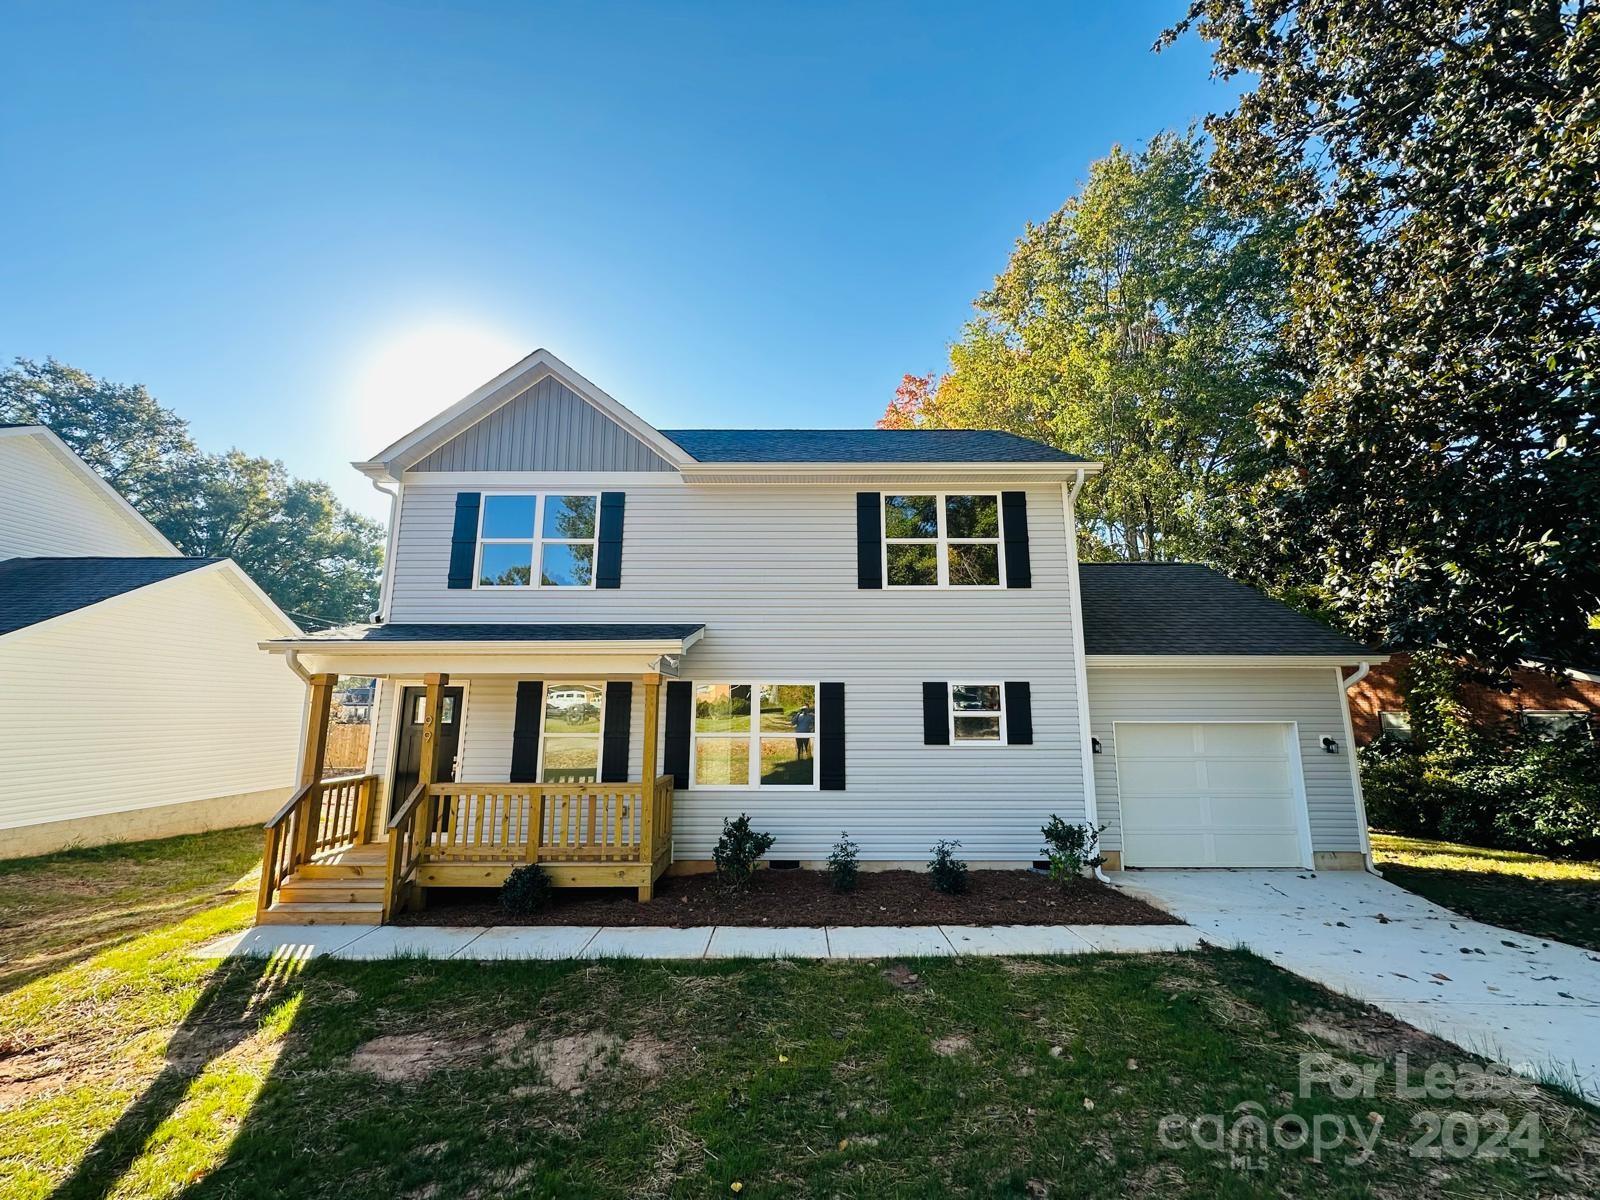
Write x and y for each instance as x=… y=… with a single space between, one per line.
x=709 y=941
x=1532 y=1004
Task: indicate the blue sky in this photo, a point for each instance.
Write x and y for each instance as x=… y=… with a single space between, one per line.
x=307 y=227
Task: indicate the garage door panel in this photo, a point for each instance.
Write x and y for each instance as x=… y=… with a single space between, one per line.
x=1156 y=740
x=1162 y=775
x=1196 y=795
x=1251 y=776
x=1262 y=741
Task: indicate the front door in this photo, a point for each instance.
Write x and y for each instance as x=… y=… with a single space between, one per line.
x=408 y=756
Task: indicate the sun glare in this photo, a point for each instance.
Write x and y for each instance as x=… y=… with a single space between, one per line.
x=412 y=374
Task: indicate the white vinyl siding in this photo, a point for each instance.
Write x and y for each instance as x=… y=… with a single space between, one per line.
x=1308 y=696
x=47 y=510
x=771 y=572
x=157 y=697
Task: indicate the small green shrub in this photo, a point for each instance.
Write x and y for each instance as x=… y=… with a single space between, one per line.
x=526 y=890
x=949 y=873
x=842 y=865
x=1071 y=849
x=738 y=850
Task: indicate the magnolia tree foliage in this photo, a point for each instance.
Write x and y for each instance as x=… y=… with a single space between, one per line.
x=1436 y=482
x=318 y=560
x=1139 y=326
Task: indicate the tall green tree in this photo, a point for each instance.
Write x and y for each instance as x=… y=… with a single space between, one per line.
x=1138 y=325
x=1437 y=481
x=318 y=560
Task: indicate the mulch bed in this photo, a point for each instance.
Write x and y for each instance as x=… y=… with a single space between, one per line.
x=784 y=898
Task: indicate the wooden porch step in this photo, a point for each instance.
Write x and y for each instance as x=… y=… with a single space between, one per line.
x=322 y=913
x=357 y=889
x=355 y=862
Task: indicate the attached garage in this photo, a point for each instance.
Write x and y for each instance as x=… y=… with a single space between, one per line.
x=1220 y=724
x=1211 y=794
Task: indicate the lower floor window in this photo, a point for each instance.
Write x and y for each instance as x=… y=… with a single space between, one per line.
x=1394 y=724
x=977 y=713
x=569 y=741
x=755 y=735
x=1554 y=723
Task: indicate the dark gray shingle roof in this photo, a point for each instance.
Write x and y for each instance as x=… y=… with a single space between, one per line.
x=37 y=589
x=863 y=446
x=1184 y=608
x=378 y=635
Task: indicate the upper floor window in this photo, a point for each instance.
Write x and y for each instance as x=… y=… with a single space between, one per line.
x=1554 y=723
x=521 y=533
x=1394 y=723
x=755 y=735
x=942 y=540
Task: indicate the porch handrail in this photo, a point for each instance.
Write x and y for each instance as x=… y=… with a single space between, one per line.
x=325 y=814
x=405 y=846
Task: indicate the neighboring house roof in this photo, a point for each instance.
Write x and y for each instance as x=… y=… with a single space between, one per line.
x=1184 y=609
x=38 y=589
x=863 y=446
x=381 y=635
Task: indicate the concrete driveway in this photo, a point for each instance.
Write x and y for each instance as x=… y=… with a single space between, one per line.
x=1532 y=1004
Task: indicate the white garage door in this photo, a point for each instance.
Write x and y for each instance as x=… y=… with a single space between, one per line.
x=1203 y=795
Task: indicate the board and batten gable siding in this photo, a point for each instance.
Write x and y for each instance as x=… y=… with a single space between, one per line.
x=549 y=427
x=771 y=572
x=48 y=511
x=1309 y=696
x=159 y=697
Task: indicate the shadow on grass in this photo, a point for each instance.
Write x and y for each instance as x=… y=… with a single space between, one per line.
x=1566 y=910
x=229 y=1013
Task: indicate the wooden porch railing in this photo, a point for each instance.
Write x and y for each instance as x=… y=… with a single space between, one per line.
x=323 y=816
x=569 y=823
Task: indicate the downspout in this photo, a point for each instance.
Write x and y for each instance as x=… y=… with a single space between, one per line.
x=388 y=550
x=1069 y=503
x=292 y=657
x=1355 y=768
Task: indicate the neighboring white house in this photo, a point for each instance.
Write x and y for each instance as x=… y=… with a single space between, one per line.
x=880 y=631
x=133 y=700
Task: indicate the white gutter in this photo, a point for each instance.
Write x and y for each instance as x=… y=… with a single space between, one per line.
x=1069 y=502
x=1355 y=768
x=292 y=657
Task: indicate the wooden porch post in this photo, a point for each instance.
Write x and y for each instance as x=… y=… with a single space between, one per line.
x=428 y=766
x=319 y=699
x=647 y=815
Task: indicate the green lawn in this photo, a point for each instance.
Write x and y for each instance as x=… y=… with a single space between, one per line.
x=60 y=908
x=1542 y=897
x=141 y=1071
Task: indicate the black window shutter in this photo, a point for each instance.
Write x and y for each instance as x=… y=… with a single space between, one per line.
x=614 y=739
x=464 y=539
x=675 y=744
x=1019 y=715
x=936 y=714
x=830 y=737
x=608 y=554
x=525 y=734
x=1014 y=510
x=869 y=539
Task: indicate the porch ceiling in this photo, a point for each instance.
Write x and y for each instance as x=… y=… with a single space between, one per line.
x=512 y=649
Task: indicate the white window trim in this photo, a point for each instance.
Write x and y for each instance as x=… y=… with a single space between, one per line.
x=942 y=542
x=537 y=542
x=951 y=712
x=753 y=738
x=545 y=735
x=1395 y=712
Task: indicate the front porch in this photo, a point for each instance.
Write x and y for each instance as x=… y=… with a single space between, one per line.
x=362 y=848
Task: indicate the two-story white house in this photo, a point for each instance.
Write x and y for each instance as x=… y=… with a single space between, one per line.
x=599 y=639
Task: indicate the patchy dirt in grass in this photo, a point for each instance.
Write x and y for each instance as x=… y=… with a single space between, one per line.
x=567 y=1062
x=949 y=1047
x=791 y=898
x=903 y=977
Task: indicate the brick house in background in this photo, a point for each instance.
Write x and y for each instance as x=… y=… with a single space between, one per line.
x=1537 y=699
